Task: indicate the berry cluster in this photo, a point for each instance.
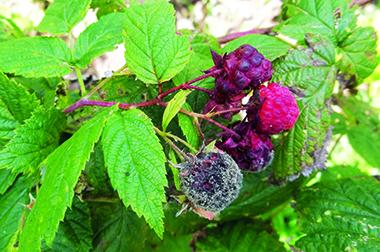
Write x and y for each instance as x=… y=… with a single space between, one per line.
x=271 y=109
x=212 y=181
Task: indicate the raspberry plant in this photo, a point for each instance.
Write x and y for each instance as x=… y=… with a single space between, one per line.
x=235 y=129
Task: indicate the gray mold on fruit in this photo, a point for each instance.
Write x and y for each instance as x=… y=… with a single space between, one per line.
x=211 y=181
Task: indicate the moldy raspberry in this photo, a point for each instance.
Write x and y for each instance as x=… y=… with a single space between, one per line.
x=211 y=181
x=278 y=111
x=252 y=151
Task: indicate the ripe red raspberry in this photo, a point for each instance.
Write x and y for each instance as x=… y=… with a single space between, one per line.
x=278 y=111
x=251 y=151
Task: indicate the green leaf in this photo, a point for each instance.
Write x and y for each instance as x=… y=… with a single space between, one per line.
x=239 y=236
x=16 y=100
x=362 y=128
x=61 y=172
x=200 y=58
x=357 y=52
x=188 y=127
x=12 y=208
x=172 y=243
x=336 y=21
x=35 y=57
x=105 y=7
x=285 y=221
x=96 y=173
x=44 y=88
x=74 y=233
x=7 y=124
x=136 y=165
x=175 y=172
x=62 y=15
x=99 y=38
x=258 y=196
x=117 y=228
x=311 y=74
x=8 y=29
x=365 y=141
x=341 y=172
x=152 y=49
x=126 y=89
x=309 y=16
x=173 y=107
x=175 y=224
x=340 y=215
x=6 y=180
x=271 y=47
x=33 y=141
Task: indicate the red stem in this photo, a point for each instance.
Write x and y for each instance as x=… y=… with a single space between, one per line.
x=184 y=86
x=187 y=85
x=158 y=101
x=204 y=117
x=232 y=36
x=220 y=125
x=227 y=111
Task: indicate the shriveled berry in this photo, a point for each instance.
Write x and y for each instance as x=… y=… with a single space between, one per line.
x=245 y=65
x=278 y=111
x=252 y=151
x=211 y=181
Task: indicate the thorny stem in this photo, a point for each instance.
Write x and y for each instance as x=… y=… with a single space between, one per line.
x=236 y=35
x=80 y=81
x=187 y=85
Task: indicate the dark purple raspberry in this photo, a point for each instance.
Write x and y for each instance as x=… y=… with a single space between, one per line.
x=226 y=90
x=278 y=111
x=211 y=181
x=226 y=95
x=245 y=67
x=251 y=151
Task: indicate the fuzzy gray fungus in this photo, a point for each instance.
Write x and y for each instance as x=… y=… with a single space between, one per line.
x=211 y=181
